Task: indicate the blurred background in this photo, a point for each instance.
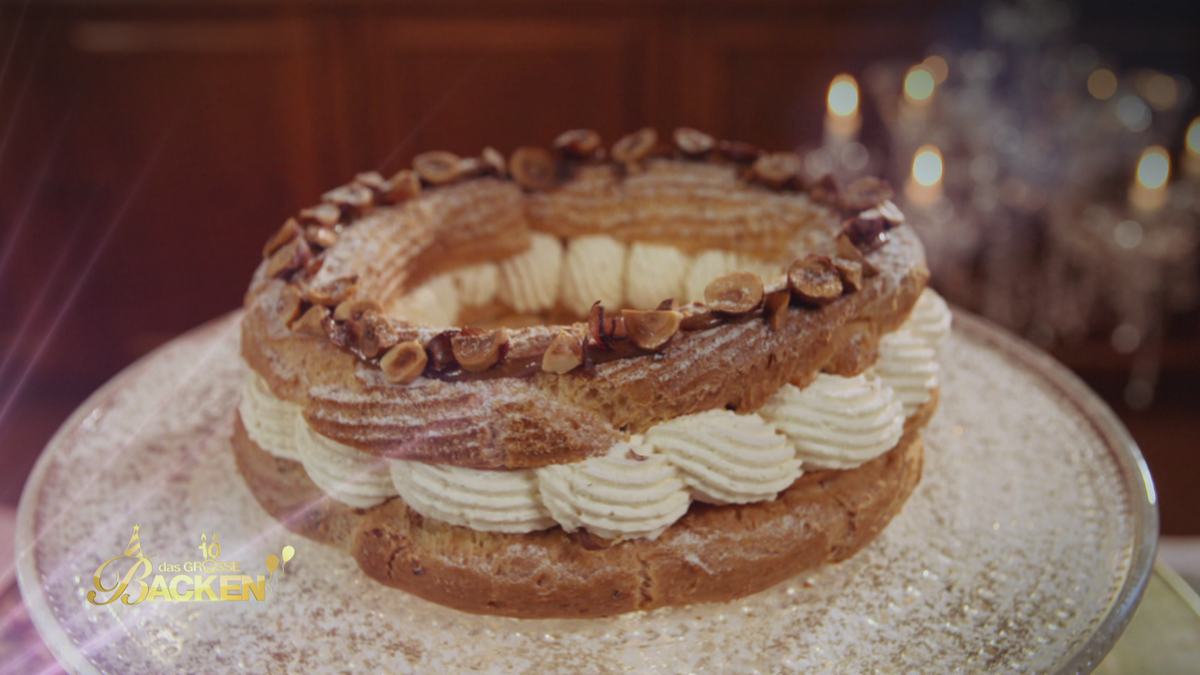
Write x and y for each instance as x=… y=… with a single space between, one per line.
x=1046 y=151
x=147 y=149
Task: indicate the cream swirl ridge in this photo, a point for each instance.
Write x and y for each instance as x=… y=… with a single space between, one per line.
x=631 y=492
x=593 y=269
x=909 y=366
x=269 y=420
x=930 y=319
x=727 y=458
x=837 y=422
x=344 y=473
x=489 y=501
x=529 y=280
x=653 y=273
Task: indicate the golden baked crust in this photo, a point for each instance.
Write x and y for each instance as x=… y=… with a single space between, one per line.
x=712 y=554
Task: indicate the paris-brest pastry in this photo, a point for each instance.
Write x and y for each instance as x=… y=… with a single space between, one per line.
x=584 y=381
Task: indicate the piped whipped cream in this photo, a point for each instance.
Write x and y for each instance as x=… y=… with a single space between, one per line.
x=593 y=269
x=489 y=501
x=930 y=320
x=908 y=364
x=435 y=302
x=476 y=284
x=347 y=474
x=269 y=420
x=837 y=422
x=631 y=492
x=727 y=458
x=529 y=280
x=705 y=267
x=654 y=273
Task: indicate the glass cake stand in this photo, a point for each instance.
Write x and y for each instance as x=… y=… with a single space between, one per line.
x=1026 y=547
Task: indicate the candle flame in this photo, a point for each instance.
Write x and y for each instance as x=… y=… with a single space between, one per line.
x=919 y=84
x=1154 y=168
x=927 y=166
x=1193 y=137
x=843 y=96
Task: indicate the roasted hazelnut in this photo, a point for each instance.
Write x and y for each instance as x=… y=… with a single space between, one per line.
x=438 y=167
x=323 y=215
x=846 y=249
x=476 y=349
x=322 y=237
x=777 y=169
x=606 y=328
x=851 y=273
x=290 y=230
x=375 y=334
x=775 y=306
x=693 y=142
x=373 y=182
x=339 y=333
x=651 y=330
x=815 y=280
x=734 y=293
x=335 y=292
x=578 y=143
x=825 y=190
x=564 y=354
x=532 y=168
x=404 y=186
x=441 y=352
x=289 y=304
x=469 y=167
x=404 y=362
x=314 y=265
x=291 y=256
x=353 y=310
x=867 y=233
x=351 y=198
x=865 y=193
x=635 y=146
x=891 y=213
x=739 y=152
x=668 y=305
x=311 y=322
x=493 y=162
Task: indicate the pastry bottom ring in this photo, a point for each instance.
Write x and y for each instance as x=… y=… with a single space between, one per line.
x=712 y=554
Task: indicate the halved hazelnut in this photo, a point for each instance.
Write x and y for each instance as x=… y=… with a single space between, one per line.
x=441 y=352
x=404 y=362
x=867 y=233
x=652 y=329
x=493 y=162
x=373 y=182
x=865 y=193
x=735 y=293
x=825 y=190
x=693 y=142
x=775 y=305
x=311 y=322
x=291 y=256
x=532 y=168
x=323 y=215
x=777 y=169
x=851 y=273
x=375 y=334
x=670 y=304
x=476 y=349
x=469 y=167
x=564 y=354
x=739 y=152
x=338 y=333
x=290 y=230
x=846 y=249
x=405 y=185
x=353 y=310
x=351 y=198
x=606 y=328
x=437 y=167
x=635 y=146
x=891 y=213
x=289 y=304
x=314 y=265
x=815 y=280
x=320 y=236
x=335 y=292
x=578 y=143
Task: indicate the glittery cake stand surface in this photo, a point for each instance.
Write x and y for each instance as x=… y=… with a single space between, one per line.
x=1025 y=548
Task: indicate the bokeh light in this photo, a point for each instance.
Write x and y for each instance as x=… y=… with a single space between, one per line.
x=1154 y=168
x=1102 y=84
x=843 y=95
x=919 y=84
x=927 y=165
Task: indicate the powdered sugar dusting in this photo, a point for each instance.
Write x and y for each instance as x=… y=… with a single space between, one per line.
x=1005 y=559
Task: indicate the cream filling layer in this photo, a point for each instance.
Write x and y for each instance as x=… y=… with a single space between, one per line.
x=593 y=269
x=653 y=273
x=529 y=280
x=642 y=486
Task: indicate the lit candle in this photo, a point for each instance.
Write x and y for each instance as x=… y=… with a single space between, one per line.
x=924 y=187
x=1149 y=190
x=1191 y=151
x=918 y=86
x=841 y=119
